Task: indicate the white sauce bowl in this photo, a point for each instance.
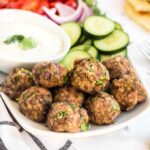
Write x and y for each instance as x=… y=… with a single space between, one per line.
x=52 y=42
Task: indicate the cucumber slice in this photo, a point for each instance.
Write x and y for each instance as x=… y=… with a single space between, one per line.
x=92 y=51
x=88 y=42
x=112 y=43
x=80 y=47
x=104 y=57
x=73 y=30
x=82 y=39
x=98 y=26
x=72 y=56
x=118 y=26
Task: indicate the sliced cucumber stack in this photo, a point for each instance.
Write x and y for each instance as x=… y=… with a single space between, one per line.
x=73 y=29
x=72 y=56
x=107 y=36
x=92 y=51
x=98 y=26
x=112 y=43
x=104 y=57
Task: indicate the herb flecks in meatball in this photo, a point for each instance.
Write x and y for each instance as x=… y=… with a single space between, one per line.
x=90 y=76
x=69 y=94
x=50 y=75
x=16 y=82
x=35 y=103
x=118 y=67
x=63 y=117
x=102 y=108
x=128 y=91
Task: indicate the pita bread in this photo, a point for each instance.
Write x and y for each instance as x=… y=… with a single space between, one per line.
x=142 y=18
x=140 y=5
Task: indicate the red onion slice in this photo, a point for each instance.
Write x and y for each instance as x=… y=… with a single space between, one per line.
x=58 y=19
x=64 y=10
x=86 y=12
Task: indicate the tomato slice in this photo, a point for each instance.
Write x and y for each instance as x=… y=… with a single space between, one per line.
x=4 y=3
x=15 y=3
x=41 y=4
x=72 y=3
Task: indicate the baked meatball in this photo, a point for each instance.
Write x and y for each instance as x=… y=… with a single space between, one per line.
x=70 y=95
x=102 y=109
x=90 y=76
x=128 y=91
x=50 y=74
x=16 y=82
x=35 y=102
x=63 y=117
x=118 y=67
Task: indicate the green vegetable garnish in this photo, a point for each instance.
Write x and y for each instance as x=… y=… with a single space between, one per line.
x=65 y=79
x=85 y=127
x=27 y=43
x=73 y=106
x=91 y=69
x=99 y=82
x=115 y=106
x=13 y=39
x=17 y=99
x=89 y=2
x=93 y=5
x=96 y=10
x=24 y=42
x=62 y=114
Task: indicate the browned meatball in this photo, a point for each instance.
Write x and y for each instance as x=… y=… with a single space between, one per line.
x=50 y=74
x=35 y=103
x=69 y=95
x=102 y=108
x=128 y=91
x=63 y=117
x=118 y=67
x=90 y=76
x=16 y=82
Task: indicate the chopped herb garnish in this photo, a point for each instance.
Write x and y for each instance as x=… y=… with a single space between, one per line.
x=115 y=106
x=28 y=95
x=93 y=5
x=107 y=75
x=63 y=100
x=99 y=82
x=93 y=98
x=13 y=39
x=96 y=10
x=73 y=106
x=24 y=70
x=62 y=114
x=27 y=43
x=91 y=69
x=17 y=99
x=24 y=42
x=89 y=2
x=65 y=79
x=85 y=126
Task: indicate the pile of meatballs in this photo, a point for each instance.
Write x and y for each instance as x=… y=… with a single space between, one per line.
x=68 y=100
